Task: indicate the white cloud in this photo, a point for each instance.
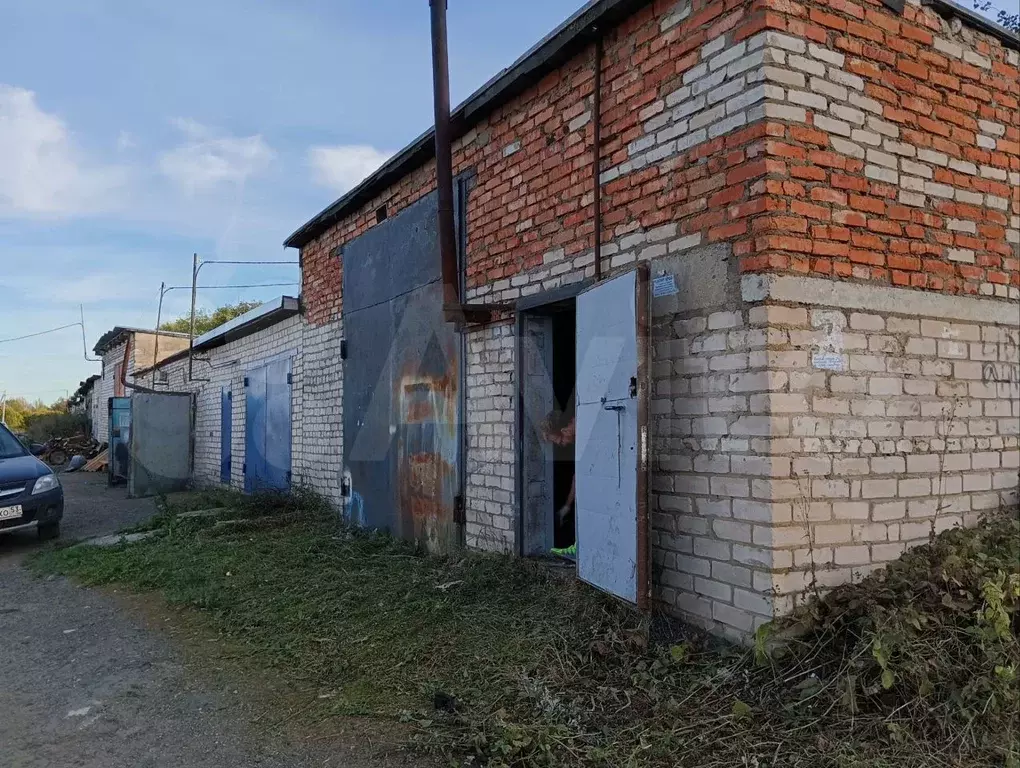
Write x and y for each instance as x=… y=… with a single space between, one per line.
x=207 y=160
x=342 y=167
x=42 y=171
x=126 y=141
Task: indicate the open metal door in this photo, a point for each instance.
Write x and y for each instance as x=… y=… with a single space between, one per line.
x=612 y=437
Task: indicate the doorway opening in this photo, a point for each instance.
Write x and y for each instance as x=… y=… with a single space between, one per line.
x=582 y=425
x=548 y=379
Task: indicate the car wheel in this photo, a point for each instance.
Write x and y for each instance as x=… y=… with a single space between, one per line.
x=49 y=531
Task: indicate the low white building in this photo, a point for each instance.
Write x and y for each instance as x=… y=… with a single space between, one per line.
x=142 y=348
x=262 y=419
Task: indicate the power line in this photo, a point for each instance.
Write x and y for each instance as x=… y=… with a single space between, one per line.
x=213 y=261
x=40 y=333
x=212 y=287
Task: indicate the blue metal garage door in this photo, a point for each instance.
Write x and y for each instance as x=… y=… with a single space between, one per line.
x=267 y=438
x=226 y=433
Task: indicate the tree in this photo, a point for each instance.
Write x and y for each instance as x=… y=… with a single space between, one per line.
x=205 y=320
x=1010 y=21
x=20 y=412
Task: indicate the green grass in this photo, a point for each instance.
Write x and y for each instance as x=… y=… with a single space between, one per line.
x=546 y=672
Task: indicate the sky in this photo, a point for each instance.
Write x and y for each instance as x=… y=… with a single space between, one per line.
x=134 y=134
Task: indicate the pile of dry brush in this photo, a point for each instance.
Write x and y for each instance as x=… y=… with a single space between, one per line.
x=917 y=665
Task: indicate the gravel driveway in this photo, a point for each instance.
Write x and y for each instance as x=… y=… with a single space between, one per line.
x=85 y=682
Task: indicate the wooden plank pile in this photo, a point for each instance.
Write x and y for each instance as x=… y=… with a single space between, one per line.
x=98 y=463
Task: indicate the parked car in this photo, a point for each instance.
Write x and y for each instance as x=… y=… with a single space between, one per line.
x=30 y=493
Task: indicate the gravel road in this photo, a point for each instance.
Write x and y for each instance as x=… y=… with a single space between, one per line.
x=86 y=682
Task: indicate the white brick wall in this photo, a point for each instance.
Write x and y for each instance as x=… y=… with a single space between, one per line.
x=489 y=504
x=318 y=456
x=711 y=426
x=917 y=431
x=317 y=401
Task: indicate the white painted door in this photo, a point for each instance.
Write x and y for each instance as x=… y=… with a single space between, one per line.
x=612 y=436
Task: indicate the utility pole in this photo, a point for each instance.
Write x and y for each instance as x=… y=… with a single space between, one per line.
x=191 y=334
x=159 y=319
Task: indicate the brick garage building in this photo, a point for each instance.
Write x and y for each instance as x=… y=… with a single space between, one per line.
x=834 y=189
x=270 y=343
x=141 y=350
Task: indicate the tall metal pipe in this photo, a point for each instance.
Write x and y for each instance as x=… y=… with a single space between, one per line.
x=444 y=158
x=596 y=152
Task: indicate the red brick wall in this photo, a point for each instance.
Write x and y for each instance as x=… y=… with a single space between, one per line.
x=778 y=191
x=831 y=219
x=538 y=198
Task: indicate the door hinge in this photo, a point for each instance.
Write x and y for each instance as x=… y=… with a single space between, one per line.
x=246 y=381
x=230 y=395
x=459 y=513
x=290 y=378
x=244 y=467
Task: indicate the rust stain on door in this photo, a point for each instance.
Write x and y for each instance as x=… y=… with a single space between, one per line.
x=427 y=457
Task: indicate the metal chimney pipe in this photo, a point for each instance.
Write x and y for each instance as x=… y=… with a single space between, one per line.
x=444 y=161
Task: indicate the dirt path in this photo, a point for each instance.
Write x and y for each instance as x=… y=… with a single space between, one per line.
x=86 y=683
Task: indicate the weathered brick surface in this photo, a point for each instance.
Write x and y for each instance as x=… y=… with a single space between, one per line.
x=916 y=431
x=490 y=427
x=316 y=401
x=105 y=389
x=682 y=147
x=828 y=138
x=898 y=156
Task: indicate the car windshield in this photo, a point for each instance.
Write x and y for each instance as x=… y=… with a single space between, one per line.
x=10 y=446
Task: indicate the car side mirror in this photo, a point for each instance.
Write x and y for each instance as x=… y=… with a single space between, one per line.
x=37 y=449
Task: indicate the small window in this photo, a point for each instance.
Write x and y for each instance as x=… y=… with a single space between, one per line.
x=380 y=214
x=163 y=377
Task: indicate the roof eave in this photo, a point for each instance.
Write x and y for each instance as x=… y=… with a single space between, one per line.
x=562 y=43
x=550 y=52
x=948 y=8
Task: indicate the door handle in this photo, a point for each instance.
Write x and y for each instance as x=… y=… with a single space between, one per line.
x=619 y=410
